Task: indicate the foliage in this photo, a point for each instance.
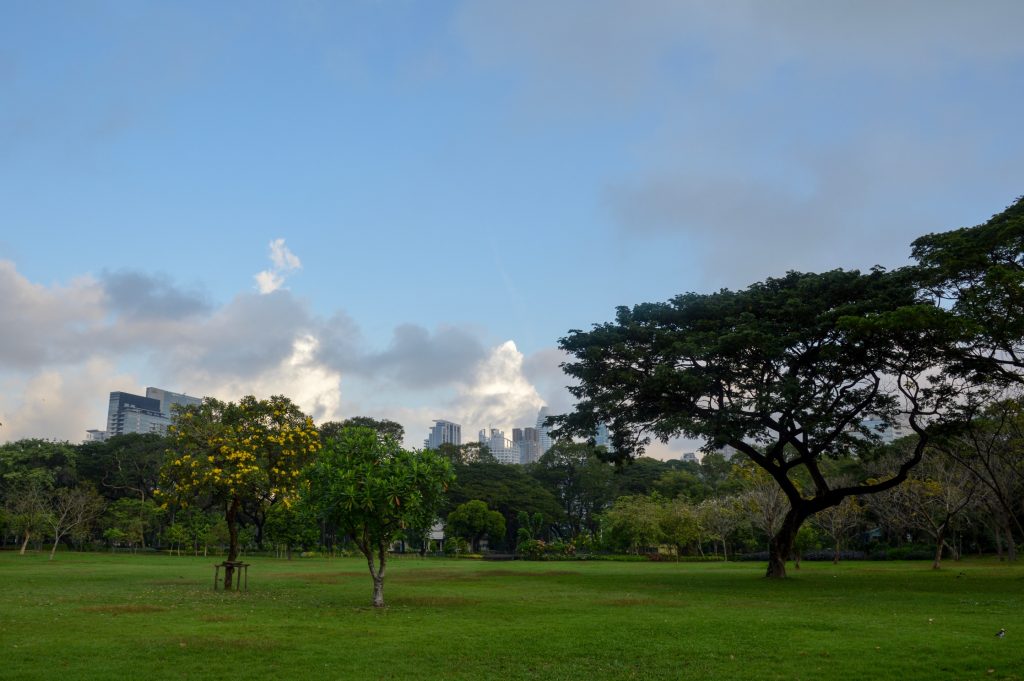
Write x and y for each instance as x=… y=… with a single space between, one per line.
x=785 y=371
x=127 y=521
x=372 y=488
x=508 y=490
x=384 y=428
x=251 y=451
x=73 y=511
x=980 y=270
x=633 y=523
x=580 y=480
x=473 y=521
x=466 y=453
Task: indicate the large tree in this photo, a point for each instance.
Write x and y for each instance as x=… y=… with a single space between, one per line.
x=580 y=480
x=786 y=371
x=372 y=488
x=246 y=452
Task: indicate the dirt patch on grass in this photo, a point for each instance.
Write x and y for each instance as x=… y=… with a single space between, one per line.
x=127 y=609
x=433 y=601
x=432 y=575
x=217 y=618
x=173 y=582
x=321 y=577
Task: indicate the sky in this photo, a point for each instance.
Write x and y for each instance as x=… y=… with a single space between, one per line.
x=396 y=209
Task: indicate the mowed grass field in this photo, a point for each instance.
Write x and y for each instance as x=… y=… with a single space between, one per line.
x=101 y=616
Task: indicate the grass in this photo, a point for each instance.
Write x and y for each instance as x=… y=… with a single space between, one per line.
x=99 y=616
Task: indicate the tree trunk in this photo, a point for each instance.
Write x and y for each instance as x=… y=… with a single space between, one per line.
x=940 y=541
x=781 y=546
x=24 y=544
x=54 y=549
x=232 y=518
x=376 y=573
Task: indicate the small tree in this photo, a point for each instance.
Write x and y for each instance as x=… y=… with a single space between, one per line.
x=633 y=522
x=28 y=507
x=838 y=522
x=680 y=525
x=718 y=519
x=371 y=488
x=74 y=510
x=473 y=521
x=931 y=501
x=251 y=451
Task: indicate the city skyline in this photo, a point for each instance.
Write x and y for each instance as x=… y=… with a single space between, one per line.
x=397 y=209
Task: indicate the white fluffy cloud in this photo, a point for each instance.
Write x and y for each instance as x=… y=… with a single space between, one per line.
x=283 y=262
x=80 y=341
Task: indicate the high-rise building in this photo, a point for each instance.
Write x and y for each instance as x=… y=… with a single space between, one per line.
x=442 y=432
x=525 y=439
x=503 y=449
x=129 y=413
x=543 y=432
x=690 y=457
x=169 y=400
x=602 y=438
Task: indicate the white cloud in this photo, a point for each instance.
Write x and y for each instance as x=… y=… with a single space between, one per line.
x=284 y=263
x=314 y=387
x=84 y=340
x=499 y=394
x=59 y=403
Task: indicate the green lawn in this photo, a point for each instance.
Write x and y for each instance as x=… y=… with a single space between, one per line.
x=99 y=616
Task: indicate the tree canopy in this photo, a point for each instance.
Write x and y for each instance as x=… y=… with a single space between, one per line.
x=373 y=488
x=786 y=371
x=249 y=451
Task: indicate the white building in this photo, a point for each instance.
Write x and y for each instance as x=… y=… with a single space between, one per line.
x=503 y=449
x=443 y=432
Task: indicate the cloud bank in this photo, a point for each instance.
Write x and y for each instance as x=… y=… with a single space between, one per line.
x=129 y=329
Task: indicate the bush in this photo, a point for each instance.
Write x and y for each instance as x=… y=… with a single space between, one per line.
x=531 y=549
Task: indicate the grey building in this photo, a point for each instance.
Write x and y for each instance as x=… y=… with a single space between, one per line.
x=130 y=413
x=525 y=439
x=543 y=432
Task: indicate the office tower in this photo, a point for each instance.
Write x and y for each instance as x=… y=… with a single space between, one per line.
x=129 y=413
x=442 y=432
x=543 y=432
x=501 y=447
x=525 y=439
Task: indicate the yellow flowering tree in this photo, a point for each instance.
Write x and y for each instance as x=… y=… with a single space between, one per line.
x=245 y=453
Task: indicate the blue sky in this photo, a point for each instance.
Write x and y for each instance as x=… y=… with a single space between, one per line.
x=456 y=184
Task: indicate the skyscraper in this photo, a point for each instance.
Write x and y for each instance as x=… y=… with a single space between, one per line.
x=525 y=439
x=129 y=413
x=602 y=438
x=442 y=432
x=543 y=432
x=501 y=447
